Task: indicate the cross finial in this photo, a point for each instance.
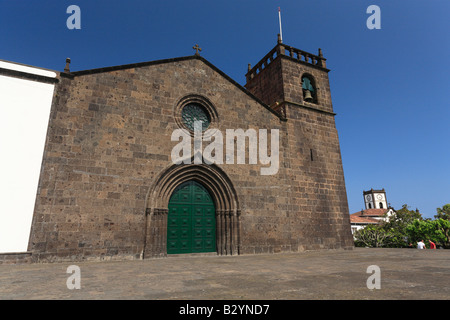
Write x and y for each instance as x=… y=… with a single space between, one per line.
x=197 y=49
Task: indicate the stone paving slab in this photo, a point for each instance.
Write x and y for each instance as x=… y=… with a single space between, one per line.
x=321 y=275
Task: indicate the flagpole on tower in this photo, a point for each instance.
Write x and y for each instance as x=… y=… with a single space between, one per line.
x=279 y=19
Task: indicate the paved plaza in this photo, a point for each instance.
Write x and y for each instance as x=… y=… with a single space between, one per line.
x=405 y=274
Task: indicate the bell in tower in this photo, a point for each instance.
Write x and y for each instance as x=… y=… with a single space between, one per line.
x=307 y=96
x=308 y=89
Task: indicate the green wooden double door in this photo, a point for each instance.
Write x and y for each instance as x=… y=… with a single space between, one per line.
x=191 y=223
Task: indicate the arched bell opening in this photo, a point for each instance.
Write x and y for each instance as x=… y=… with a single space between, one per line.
x=309 y=88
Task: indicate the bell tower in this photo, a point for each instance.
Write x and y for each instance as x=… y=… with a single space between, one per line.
x=375 y=199
x=290 y=76
x=295 y=84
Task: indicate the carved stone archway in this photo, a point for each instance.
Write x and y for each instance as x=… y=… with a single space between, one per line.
x=224 y=197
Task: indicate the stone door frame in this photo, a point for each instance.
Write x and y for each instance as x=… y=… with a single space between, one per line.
x=224 y=196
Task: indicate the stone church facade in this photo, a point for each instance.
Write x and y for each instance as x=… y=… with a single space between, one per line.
x=109 y=188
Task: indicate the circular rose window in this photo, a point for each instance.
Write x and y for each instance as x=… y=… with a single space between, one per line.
x=194 y=112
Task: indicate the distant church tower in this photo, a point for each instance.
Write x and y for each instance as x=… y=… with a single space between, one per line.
x=375 y=199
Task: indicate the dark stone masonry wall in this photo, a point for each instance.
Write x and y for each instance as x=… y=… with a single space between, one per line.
x=109 y=145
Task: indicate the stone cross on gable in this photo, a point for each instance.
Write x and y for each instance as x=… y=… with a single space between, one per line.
x=197 y=49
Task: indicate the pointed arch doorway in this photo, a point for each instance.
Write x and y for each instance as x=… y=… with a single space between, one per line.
x=214 y=182
x=191 y=221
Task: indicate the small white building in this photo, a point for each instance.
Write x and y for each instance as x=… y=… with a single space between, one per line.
x=377 y=210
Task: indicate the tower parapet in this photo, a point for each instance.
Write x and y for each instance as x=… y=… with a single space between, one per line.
x=290 y=76
x=287 y=51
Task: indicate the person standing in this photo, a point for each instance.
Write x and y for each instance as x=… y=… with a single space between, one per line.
x=432 y=244
x=420 y=245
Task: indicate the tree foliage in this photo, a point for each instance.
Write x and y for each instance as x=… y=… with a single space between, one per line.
x=443 y=213
x=405 y=228
x=397 y=225
x=434 y=230
x=371 y=236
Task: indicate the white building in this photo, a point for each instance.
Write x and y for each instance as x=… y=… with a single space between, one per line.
x=26 y=94
x=377 y=210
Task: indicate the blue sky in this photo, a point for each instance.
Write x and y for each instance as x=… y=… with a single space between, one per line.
x=390 y=87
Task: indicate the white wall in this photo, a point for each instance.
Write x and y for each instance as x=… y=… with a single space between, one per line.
x=382 y=200
x=24 y=115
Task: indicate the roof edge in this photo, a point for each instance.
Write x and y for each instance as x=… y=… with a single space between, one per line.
x=28 y=76
x=129 y=66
